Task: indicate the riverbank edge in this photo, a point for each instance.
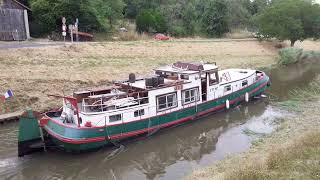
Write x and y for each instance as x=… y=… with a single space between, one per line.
x=292 y=151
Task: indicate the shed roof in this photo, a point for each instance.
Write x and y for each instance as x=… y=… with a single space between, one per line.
x=22 y=5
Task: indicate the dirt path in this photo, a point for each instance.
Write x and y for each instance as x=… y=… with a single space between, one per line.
x=27 y=44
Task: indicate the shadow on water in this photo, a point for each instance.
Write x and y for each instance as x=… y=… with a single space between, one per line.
x=168 y=154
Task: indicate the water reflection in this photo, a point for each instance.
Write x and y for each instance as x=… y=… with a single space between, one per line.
x=294 y=76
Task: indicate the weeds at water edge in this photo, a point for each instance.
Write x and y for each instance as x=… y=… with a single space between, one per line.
x=298 y=95
x=299 y=158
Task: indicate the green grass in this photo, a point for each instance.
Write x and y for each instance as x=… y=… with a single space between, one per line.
x=293 y=55
x=299 y=95
x=290 y=105
x=298 y=160
x=289 y=56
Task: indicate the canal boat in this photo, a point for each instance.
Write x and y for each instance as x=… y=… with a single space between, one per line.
x=176 y=93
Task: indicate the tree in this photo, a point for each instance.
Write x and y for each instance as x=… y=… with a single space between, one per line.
x=94 y=15
x=189 y=18
x=114 y=10
x=289 y=20
x=148 y=21
x=259 y=5
x=144 y=21
x=240 y=12
x=215 y=18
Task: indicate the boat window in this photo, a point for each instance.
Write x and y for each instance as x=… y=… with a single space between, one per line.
x=190 y=95
x=244 y=83
x=139 y=112
x=183 y=76
x=227 y=88
x=115 y=118
x=203 y=75
x=173 y=76
x=167 y=101
x=214 y=78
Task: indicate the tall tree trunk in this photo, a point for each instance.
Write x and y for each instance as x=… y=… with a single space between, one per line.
x=292 y=41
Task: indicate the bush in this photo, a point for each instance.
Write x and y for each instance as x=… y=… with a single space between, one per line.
x=144 y=21
x=215 y=18
x=289 y=56
x=148 y=21
x=160 y=23
x=178 y=31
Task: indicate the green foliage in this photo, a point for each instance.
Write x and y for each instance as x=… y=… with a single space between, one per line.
x=148 y=21
x=215 y=18
x=144 y=21
x=178 y=31
x=240 y=12
x=160 y=23
x=189 y=18
x=97 y=15
x=289 y=56
x=290 y=20
x=294 y=55
x=257 y=6
x=179 y=17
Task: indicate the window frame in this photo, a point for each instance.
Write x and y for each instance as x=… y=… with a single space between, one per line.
x=174 y=104
x=184 y=76
x=225 y=88
x=244 y=81
x=112 y=121
x=140 y=112
x=196 y=95
x=214 y=81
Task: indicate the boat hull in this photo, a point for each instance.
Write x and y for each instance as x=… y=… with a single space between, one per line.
x=84 y=139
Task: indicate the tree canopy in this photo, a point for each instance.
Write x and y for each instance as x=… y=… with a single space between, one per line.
x=283 y=19
x=94 y=15
x=290 y=20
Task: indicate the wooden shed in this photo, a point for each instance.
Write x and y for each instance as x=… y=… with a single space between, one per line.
x=14 y=24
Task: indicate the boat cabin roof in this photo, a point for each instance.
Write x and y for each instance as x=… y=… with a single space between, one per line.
x=141 y=83
x=188 y=68
x=231 y=75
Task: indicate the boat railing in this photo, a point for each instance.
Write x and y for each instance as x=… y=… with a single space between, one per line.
x=103 y=104
x=136 y=102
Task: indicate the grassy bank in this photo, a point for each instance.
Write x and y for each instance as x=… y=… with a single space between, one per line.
x=32 y=73
x=292 y=152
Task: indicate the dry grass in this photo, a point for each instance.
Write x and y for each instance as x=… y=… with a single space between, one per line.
x=34 y=72
x=239 y=34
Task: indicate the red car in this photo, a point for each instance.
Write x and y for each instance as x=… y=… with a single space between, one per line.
x=161 y=37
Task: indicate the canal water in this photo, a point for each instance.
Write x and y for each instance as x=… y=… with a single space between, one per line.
x=167 y=154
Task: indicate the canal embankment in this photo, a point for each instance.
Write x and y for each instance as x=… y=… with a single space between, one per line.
x=292 y=151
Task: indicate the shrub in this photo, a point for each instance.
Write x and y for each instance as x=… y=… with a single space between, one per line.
x=289 y=56
x=215 y=18
x=160 y=23
x=148 y=21
x=178 y=31
x=145 y=21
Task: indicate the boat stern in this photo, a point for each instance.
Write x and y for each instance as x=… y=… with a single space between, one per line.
x=29 y=138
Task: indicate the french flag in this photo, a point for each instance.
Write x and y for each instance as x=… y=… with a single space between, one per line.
x=8 y=94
